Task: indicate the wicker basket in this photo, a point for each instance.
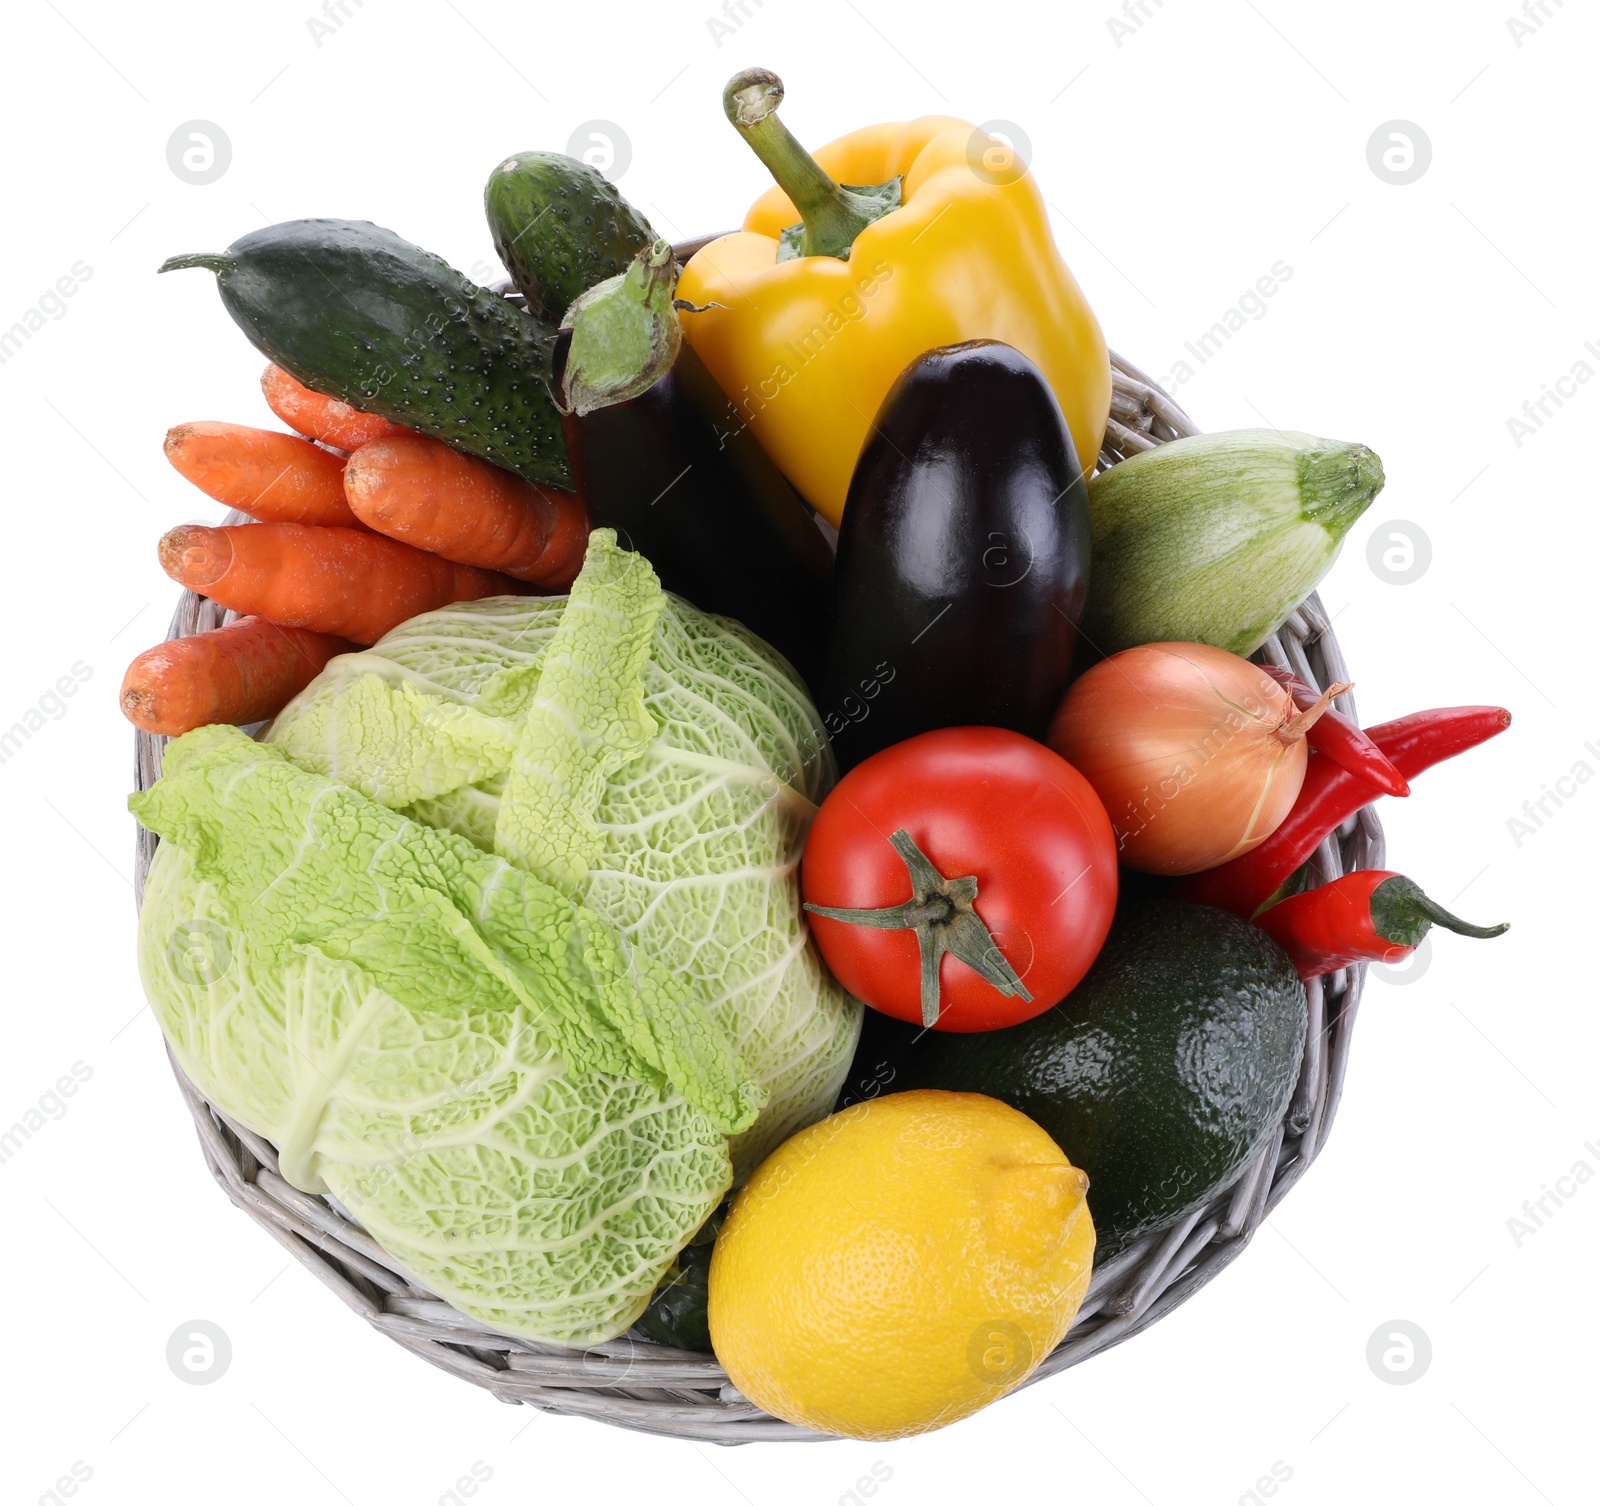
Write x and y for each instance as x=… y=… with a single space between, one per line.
x=634 y=1383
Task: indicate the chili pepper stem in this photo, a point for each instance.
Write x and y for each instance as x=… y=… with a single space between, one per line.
x=940 y=912
x=833 y=215
x=1402 y=913
x=1295 y=726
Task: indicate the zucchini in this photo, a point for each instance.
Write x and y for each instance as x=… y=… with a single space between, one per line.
x=356 y=313
x=1217 y=538
x=560 y=228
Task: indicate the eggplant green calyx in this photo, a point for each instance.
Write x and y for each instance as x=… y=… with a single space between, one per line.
x=832 y=214
x=1403 y=914
x=941 y=912
x=625 y=333
x=1337 y=484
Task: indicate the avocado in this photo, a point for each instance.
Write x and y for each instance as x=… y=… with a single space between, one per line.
x=677 y=1314
x=1160 y=1075
x=884 y=1048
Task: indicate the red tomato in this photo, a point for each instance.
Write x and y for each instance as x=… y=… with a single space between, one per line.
x=981 y=801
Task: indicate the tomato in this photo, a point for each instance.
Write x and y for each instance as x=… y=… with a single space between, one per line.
x=978 y=801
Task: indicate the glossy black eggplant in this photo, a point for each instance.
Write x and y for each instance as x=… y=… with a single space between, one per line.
x=963 y=558
x=659 y=453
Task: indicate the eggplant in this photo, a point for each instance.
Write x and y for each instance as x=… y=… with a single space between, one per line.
x=963 y=558
x=659 y=453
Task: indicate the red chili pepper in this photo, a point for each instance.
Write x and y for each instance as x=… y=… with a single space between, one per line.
x=1345 y=743
x=1331 y=795
x=1370 y=916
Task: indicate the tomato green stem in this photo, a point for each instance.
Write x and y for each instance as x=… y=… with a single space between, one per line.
x=941 y=912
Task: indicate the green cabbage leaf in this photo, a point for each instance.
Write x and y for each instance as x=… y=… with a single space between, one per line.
x=655 y=762
x=497 y=938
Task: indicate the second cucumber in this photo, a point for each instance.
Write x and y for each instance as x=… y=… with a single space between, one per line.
x=560 y=228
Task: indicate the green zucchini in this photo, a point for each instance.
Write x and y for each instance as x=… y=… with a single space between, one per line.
x=1217 y=538
x=560 y=228
x=359 y=314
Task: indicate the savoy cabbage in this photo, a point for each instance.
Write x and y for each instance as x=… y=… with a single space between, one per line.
x=504 y=938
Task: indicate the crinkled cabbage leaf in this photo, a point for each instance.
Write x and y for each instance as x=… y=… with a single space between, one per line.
x=657 y=763
x=498 y=938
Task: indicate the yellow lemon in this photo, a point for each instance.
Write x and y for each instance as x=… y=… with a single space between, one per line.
x=900 y=1265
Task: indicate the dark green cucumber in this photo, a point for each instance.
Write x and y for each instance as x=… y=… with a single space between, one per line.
x=560 y=228
x=358 y=314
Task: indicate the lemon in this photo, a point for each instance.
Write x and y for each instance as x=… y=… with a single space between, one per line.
x=900 y=1265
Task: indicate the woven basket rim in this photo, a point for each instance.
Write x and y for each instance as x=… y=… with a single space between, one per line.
x=635 y=1383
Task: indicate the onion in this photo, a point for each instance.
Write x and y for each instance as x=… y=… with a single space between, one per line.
x=1197 y=754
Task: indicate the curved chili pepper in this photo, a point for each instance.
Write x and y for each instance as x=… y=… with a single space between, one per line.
x=1344 y=742
x=1331 y=795
x=1369 y=916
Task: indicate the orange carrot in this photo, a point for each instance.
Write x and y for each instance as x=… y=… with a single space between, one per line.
x=319 y=417
x=277 y=478
x=422 y=492
x=331 y=580
x=244 y=672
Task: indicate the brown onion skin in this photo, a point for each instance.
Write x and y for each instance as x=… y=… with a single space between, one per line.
x=1180 y=742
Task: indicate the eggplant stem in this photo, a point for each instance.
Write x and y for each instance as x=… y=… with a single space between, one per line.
x=941 y=912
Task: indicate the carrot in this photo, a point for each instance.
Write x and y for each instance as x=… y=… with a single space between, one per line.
x=331 y=580
x=276 y=478
x=319 y=417
x=244 y=672
x=422 y=492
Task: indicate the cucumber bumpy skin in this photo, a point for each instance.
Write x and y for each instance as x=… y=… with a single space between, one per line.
x=357 y=313
x=560 y=228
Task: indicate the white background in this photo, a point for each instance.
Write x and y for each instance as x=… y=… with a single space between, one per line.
x=1217 y=139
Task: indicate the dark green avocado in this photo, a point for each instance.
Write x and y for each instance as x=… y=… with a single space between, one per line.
x=560 y=228
x=1161 y=1074
x=677 y=1314
x=359 y=314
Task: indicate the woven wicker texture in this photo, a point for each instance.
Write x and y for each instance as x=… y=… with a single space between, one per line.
x=634 y=1383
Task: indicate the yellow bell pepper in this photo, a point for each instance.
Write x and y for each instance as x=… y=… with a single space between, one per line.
x=807 y=346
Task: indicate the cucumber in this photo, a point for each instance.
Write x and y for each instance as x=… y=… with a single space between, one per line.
x=1217 y=538
x=357 y=313
x=560 y=228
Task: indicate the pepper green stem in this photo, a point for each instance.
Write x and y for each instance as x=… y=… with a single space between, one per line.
x=832 y=214
x=940 y=912
x=1403 y=914
x=625 y=333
